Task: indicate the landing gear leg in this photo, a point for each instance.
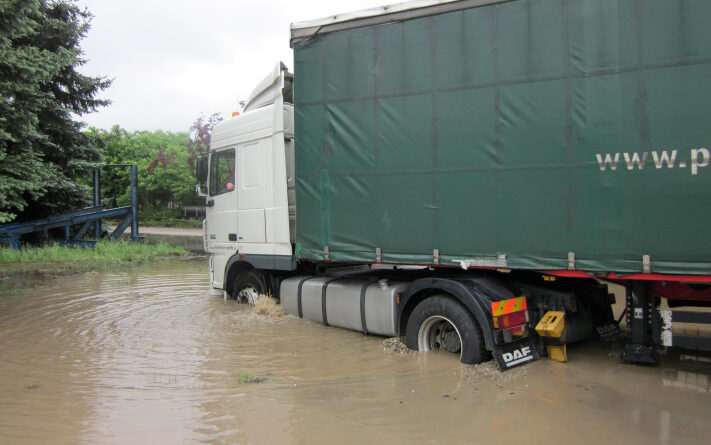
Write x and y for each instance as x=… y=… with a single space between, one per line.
x=640 y=306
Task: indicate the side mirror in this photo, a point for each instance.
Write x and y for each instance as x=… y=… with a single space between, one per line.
x=201 y=175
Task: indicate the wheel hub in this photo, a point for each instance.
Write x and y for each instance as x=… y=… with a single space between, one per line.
x=449 y=339
x=248 y=295
x=437 y=332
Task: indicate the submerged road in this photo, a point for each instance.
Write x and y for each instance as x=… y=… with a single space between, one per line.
x=188 y=238
x=144 y=355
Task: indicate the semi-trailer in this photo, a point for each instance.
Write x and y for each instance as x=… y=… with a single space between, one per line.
x=472 y=174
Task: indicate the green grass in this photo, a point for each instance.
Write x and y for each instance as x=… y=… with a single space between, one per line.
x=162 y=217
x=105 y=253
x=245 y=377
x=189 y=223
x=172 y=222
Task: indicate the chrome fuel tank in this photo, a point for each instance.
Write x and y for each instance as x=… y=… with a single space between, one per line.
x=362 y=304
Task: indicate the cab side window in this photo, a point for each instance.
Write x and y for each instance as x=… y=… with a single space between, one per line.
x=222 y=172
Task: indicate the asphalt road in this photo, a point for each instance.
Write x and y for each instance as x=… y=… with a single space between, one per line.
x=168 y=231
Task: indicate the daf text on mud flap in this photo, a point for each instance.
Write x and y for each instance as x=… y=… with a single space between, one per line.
x=517 y=356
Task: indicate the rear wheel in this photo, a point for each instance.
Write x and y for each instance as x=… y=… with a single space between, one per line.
x=441 y=322
x=248 y=286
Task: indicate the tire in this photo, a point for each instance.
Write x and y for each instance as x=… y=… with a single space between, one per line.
x=248 y=286
x=441 y=322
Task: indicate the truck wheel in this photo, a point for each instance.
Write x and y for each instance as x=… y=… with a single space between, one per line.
x=248 y=286
x=440 y=322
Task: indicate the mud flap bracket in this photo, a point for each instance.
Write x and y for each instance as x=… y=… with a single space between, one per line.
x=640 y=310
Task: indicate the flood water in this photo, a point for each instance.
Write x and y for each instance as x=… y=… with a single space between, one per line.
x=144 y=355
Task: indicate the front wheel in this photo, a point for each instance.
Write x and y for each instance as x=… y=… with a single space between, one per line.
x=248 y=286
x=441 y=322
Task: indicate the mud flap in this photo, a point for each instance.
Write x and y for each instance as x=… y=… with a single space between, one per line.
x=515 y=354
x=607 y=331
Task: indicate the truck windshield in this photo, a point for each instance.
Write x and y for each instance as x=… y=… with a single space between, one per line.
x=222 y=172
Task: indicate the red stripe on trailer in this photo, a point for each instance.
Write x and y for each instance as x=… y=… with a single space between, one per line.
x=679 y=291
x=637 y=276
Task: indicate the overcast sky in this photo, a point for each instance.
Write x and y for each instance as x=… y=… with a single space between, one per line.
x=174 y=59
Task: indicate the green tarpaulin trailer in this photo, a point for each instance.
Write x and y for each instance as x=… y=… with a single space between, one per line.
x=525 y=134
x=471 y=175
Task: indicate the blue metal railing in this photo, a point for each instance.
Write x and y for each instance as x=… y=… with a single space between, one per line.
x=10 y=234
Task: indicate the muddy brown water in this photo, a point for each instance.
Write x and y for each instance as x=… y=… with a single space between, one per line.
x=144 y=355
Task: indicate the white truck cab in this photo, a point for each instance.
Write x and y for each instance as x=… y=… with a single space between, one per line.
x=248 y=180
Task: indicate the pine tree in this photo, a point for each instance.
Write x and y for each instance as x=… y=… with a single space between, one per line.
x=44 y=155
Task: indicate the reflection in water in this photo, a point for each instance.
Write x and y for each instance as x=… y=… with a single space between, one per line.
x=686 y=380
x=145 y=355
x=690 y=371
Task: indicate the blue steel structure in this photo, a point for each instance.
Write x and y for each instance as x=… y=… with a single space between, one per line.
x=85 y=219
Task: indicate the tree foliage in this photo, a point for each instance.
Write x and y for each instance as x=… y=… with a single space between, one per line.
x=164 y=175
x=200 y=135
x=43 y=152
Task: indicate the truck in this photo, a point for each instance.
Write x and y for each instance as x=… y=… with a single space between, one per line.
x=473 y=175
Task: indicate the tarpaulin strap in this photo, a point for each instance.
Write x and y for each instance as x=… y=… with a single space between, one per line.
x=508 y=306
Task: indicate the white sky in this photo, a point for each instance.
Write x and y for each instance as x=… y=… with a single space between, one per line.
x=174 y=59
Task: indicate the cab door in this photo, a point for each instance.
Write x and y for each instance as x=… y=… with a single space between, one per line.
x=222 y=202
x=251 y=179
